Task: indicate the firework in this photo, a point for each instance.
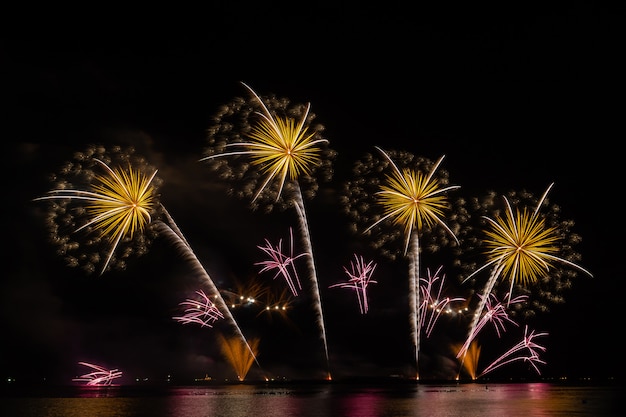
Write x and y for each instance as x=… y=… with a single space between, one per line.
x=99 y=376
x=202 y=311
x=240 y=356
x=272 y=151
x=360 y=276
x=522 y=247
x=109 y=198
x=277 y=304
x=412 y=200
x=284 y=264
x=470 y=364
x=408 y=203
x=282 y=147
x=105 y=199
x=527 y=344
x=255 y=294
x=267 y=148
x=433 y=303
x=544 y=286
x=180 y=242
x=495 y=313
x=245 y=294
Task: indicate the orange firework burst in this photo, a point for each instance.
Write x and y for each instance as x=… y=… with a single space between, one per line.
x=239 y=355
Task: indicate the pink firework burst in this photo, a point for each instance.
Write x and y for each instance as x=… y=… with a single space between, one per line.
x=496 y=314
x=360 y=275
x=201 y=311
x=433 y=303
x=284 y=264
x=527 y=344
x=99 y=376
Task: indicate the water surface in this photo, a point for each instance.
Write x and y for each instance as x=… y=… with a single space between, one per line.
x=317 y=400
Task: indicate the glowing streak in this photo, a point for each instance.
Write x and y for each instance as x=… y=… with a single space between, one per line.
x=528 y=344
x=520 y=247
x=284 y=264
x=414 y=299
x=283 y=149
x=202 y=312
x=433 y=305
x=413 y=200
x=186 y=250
x=360 y=277
x=100 y=375
x=496 y=314
x=306 y=239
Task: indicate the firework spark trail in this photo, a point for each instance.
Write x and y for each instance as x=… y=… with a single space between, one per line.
x=283 y=152
x=521 y=247
x=203 y=311
x=189 y=254
x=526 y=343
x=119 y=205
x=172 y=224
x=496 y=314
x=100 y=375
x=415 y=201
x=306 y=240
x=414 y=298
x=360 y=275
x=282 y=263
x=433 y=304
x=173 y=231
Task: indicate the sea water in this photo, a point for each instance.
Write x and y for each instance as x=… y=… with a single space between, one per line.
x=317 y=400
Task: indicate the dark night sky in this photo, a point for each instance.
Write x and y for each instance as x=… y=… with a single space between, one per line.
x=515 y=99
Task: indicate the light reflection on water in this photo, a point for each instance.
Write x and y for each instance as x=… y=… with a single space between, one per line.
x=311 y=400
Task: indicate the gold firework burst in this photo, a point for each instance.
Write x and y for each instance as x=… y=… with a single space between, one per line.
x=413 y=200
x=521 y=246
x=117 y=206
x=283 y=147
